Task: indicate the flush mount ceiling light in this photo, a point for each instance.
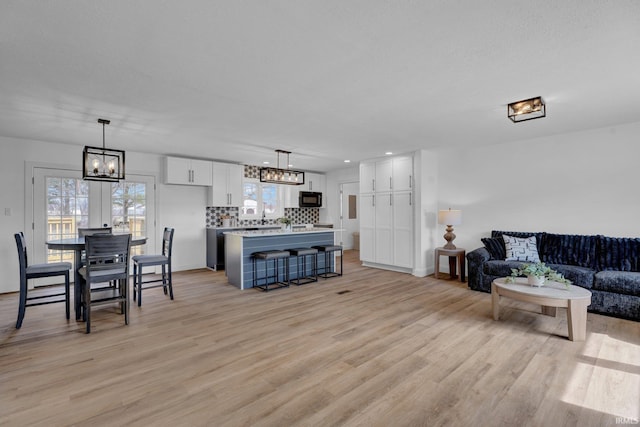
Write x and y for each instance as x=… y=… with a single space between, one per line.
x=102 y=164
x=527 y=109
x=281 y=176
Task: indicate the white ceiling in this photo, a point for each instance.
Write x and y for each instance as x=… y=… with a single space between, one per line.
x=328 y=80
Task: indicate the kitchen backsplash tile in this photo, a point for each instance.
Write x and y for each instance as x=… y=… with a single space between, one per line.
x=297 y=215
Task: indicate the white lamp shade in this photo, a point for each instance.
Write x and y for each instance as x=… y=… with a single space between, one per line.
x=450 y=217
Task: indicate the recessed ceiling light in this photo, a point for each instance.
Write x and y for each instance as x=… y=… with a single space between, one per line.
x=388 y=153
x=265 y=163
x=347 y=161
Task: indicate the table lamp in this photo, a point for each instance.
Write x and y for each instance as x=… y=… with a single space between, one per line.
x=449 y=218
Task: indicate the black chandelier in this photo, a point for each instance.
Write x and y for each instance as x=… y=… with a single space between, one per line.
x=102 y=164
x=281 y=176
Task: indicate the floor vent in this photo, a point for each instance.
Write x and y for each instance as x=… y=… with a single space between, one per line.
x=343 y=292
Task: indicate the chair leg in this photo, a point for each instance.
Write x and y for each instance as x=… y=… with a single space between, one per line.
x=164 y=280
x=135 y=279
x=139 y=285
x=170 y=281
x=125 y=291
x=87 y=306
x=67 y=295
x=23 y=304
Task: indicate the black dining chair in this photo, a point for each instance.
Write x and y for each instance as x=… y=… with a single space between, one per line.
x=163 y=260
x=36 y=271
x=107 y=261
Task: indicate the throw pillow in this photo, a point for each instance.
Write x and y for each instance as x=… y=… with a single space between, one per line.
x=495 y=247
x=521 y=249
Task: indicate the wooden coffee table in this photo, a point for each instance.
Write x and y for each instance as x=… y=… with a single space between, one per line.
x=550 y=296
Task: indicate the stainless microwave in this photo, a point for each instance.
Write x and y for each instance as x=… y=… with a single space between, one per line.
x=310 y=199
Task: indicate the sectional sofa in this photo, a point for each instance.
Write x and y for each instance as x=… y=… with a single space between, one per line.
x=608 y=266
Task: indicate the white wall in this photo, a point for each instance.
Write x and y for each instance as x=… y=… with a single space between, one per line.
x=578 y=183
x=181 y=207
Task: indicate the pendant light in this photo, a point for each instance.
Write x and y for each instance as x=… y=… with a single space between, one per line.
x=102 y=164
x=281 y=176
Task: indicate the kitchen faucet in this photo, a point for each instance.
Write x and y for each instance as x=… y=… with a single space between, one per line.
x=264 y=218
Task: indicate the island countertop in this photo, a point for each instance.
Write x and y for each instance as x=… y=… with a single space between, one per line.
x=280 y=232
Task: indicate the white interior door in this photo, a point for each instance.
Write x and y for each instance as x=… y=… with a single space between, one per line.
x=349 y=215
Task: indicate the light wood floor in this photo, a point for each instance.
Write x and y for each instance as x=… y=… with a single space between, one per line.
x=373 y=348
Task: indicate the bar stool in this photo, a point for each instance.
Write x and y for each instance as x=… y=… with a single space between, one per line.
x=328 y=251
x=303 y=279
x=275 y=256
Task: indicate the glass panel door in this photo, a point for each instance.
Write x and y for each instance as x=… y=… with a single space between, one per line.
x=63 y=202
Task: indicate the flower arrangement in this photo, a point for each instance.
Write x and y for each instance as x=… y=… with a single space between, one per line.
x=539 y=270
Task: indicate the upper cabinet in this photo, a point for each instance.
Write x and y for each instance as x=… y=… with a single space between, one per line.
x=402 y=173
x=187 y=171
x=227 y=185
x=312 y=182
x=394 y=174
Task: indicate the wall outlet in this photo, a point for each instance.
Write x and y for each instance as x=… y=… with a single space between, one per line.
x=7 y=211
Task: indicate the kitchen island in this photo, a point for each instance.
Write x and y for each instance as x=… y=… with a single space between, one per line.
x=239 y=245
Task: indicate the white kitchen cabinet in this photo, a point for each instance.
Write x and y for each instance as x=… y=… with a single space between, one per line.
x=227 y=185
x=386 y=213
x=187 y=171
x=315 y=182
x=366 y=210
x=367 y=177
x=402 y=173
x=384 y=228
x=403 y=235
x=383 y=175
x=312 y=182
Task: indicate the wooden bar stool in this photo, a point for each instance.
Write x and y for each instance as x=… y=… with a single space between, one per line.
x=302 y=254
x=275 y=256
x=327 y=270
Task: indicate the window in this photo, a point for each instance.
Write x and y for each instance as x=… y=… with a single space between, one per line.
x=259 y=198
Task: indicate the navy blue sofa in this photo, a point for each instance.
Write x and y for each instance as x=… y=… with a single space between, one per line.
x=608 y=266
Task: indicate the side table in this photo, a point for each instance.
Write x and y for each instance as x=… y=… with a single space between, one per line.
x=458 y=253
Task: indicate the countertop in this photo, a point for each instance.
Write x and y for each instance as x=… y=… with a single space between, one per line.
x=280 y=232
x=272 y=226
x=243 y=227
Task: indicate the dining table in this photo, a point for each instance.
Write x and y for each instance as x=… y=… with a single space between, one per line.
x=77 y=244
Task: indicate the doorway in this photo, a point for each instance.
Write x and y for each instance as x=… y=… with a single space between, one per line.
x=349 y=215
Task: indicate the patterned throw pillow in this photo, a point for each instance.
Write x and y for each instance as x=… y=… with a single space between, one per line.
x=521 y=249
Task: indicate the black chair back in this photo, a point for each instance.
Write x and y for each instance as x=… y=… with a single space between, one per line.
x=107 y=257
x=22 y=257
x=167 y=242
x=82 y=232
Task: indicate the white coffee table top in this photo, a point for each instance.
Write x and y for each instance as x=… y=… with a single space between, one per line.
x=551 y=290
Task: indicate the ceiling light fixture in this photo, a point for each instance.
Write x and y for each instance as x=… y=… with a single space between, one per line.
x=528 y=109
x=281 y=176
x=102 y=164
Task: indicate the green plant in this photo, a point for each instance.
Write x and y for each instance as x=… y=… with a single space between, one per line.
x=285 y=220
x=538 y=269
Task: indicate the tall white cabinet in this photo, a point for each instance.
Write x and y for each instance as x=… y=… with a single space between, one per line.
x=386 y=213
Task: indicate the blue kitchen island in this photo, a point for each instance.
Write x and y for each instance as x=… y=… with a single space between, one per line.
x=239 y=245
